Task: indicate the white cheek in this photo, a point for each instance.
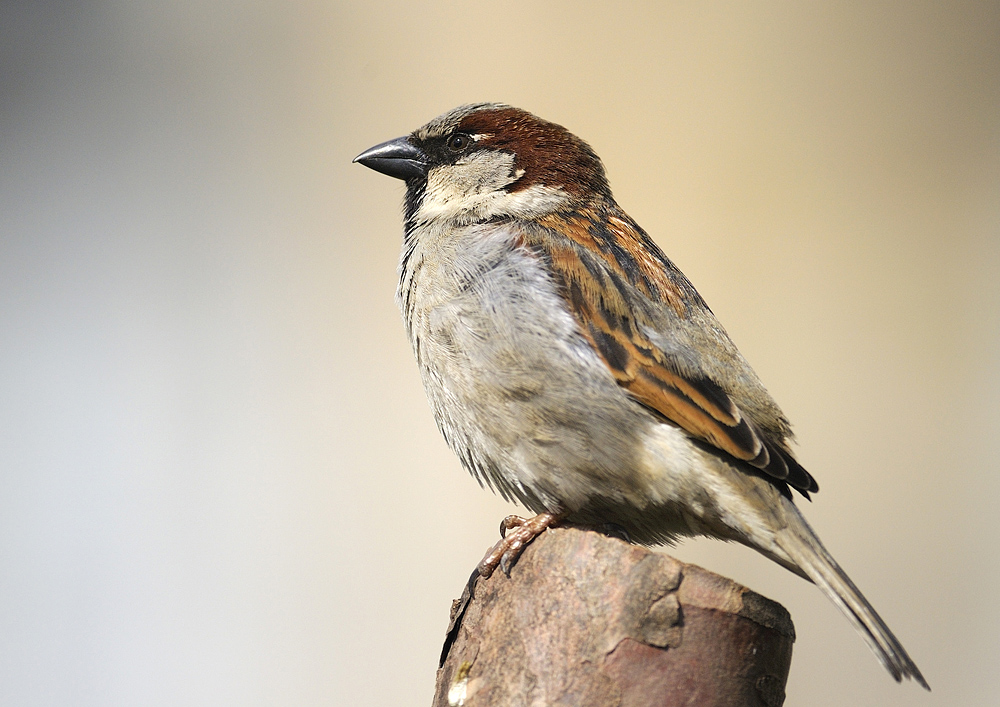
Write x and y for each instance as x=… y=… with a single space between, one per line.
x=532 y=202
x=474 y=190
x=446 y=194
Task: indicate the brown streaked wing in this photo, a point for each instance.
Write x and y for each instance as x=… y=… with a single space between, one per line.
x=593 y=279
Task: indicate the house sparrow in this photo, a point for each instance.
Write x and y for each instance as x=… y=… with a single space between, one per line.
x=573 y=368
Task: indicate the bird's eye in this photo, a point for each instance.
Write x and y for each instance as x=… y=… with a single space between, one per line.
x=458 y=142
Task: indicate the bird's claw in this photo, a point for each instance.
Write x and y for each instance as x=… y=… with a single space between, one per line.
x=505 y=553
x=509 y=522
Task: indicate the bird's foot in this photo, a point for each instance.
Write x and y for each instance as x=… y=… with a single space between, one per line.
x=516 y=533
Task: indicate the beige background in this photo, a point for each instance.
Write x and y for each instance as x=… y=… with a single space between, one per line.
x=219 y=481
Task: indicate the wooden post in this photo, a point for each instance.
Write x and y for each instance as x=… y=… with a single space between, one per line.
x=589 y=620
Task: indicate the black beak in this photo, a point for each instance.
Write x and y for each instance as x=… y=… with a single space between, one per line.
x=398 y=158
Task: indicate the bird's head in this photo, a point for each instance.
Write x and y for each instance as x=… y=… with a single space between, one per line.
x=489 y=161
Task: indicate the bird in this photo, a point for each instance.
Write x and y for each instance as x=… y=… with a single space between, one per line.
x=573 y=368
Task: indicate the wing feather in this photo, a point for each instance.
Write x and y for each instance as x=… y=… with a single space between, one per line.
x=612 y=275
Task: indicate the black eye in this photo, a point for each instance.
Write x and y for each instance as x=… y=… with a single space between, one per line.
x=458 y=142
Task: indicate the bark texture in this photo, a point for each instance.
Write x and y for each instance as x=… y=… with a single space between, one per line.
x=585 y=619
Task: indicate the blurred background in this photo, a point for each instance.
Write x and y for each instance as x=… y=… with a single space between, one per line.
x=220 y=483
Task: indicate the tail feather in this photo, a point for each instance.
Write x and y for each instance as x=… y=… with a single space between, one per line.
x=804 y=548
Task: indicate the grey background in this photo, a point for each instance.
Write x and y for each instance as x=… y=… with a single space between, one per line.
x=219 y=481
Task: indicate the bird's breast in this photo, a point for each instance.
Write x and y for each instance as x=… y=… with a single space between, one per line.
x=484 y=317
x=517 y=391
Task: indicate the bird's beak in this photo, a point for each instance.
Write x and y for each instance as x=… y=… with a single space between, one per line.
x=398 y=158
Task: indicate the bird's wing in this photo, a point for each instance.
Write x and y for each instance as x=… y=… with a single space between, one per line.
x=614 y=280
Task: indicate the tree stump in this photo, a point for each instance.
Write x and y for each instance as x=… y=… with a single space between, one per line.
x=589 y=620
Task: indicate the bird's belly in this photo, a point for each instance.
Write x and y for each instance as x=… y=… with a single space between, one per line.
x=530 y=408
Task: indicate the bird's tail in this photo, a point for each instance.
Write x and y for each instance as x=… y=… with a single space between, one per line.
x=804 y=548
